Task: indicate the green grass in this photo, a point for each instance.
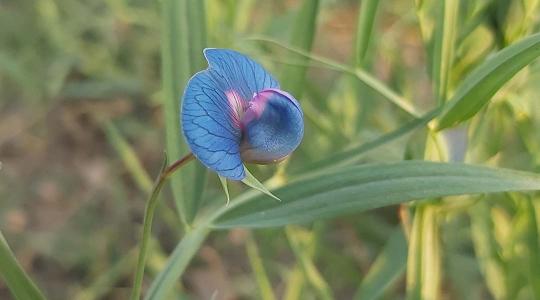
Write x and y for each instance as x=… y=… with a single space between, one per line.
x=417 y=178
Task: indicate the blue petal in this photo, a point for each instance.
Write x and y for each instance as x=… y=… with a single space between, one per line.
x=213 y=104
x=239 y=72
x=273 y=127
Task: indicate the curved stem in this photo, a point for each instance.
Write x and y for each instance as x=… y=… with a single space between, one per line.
x=165 y=173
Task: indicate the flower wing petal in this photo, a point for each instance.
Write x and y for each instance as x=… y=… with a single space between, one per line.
x=209 y=126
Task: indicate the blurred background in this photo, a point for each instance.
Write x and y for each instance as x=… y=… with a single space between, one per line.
x=82 y=135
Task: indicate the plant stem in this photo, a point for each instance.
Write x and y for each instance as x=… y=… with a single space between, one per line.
x=165 y=173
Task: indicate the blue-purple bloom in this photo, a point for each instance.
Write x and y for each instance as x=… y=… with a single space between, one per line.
x=234 y=112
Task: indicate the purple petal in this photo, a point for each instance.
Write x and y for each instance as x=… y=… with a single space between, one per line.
x=273 y=127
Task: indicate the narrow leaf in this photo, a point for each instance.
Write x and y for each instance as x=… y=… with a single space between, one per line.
x=484 y=81
x=259 y=272
x=387 y=268
x=353 y=154
x=304 y=253
x=175 y=71
x=19 y=284
x=184 y=38
x=444 y=43
x=357 y=188
x=303 y=33
x=370 y=81
x=177 y=263
x=129 y=157
x=366 y=19
x=251 y=181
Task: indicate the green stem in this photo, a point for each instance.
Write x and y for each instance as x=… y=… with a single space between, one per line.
x=165 y=173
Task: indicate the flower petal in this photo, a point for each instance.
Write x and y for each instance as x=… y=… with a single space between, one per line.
x=238 y=72
x=213 y=104
x=273 y=127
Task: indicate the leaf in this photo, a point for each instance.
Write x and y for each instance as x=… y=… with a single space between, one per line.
x=304 y=255
x=366 y=78
x=485 y=80
x=424 y=260
x=177 y=263
x=364 y=29
x=355 y=153
x=259 y=271
x=358 y=188
x=129 y=157
x=183 y=37
x=19 y=284
x=443 y=47
x=251 y=181
x=223 y=181
x=387 y=268
x=303 y=33
x=487 y=251
x=175 y=72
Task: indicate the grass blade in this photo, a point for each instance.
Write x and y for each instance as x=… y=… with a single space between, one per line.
x=354 y=154
x=175 y=70
x=131 y=161
x=368 y=10
x=488 y=251
x=311 y=273
x=370 y=81
x=196 y=180
x=486 y=79
x=184 y=37
x=302 y=37
x=178 y=261
x=444 y=41
x=18 y=282
x=265 y=287
x=358 y=188
x=424 y=263
x=387 y=268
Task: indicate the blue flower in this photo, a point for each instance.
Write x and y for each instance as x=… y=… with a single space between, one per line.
x=234 y=112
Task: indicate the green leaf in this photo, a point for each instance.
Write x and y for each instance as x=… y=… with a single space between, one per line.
x=387 y=268
x=183 y=39
x=484 y=81
x=424 y=261
x=177 y=263
x=223 y=181
x=487 y=251
x=251 y=181
x=20 y=284
x=364 y=29
x=175 y=71
x=370 y=81
x=259 y=272
x=443 y=44
x=303 y=253
x=129 y=157
x=354 y=153
x=303 y=33
x=357 y=188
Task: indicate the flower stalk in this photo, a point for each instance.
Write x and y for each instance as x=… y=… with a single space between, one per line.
x=165 y=173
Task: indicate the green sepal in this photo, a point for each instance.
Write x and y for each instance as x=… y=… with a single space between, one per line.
x=251 y=181
x=223 y=181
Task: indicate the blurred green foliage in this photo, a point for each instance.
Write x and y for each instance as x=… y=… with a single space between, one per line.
x=82 y=98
